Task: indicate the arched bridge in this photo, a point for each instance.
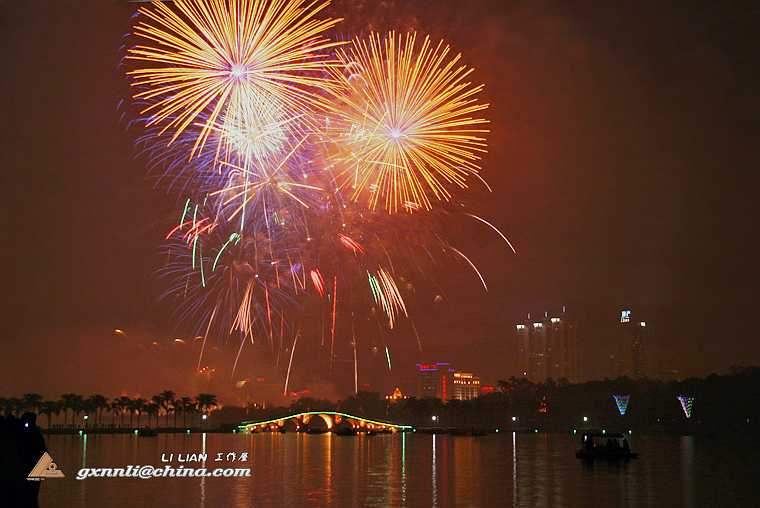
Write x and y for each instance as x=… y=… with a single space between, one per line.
x=333 y=421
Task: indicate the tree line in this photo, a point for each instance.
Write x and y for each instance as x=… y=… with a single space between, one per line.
x=721 y=403
x=97 y=406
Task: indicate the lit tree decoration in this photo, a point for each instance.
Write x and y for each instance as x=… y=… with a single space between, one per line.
x=622 y=402
x=686 y=403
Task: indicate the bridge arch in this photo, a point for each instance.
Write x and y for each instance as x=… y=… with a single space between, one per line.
x=333 y=420
x=327 y=419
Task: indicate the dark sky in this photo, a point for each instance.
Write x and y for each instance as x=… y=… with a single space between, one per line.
x=622 y=156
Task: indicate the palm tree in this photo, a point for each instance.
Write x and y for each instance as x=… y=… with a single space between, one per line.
x=15 y=406
x=31 y=401
x=152 y=409
x=191 y=407
x=167 y=402
x=89 y=407
x=71 y=401
x=205 y=402
x=78 y=405
x=184 y=404
x=115 y=407
x=124 y=403
x=49 y=408
x=138 y=405
x=96 y=403
x=159 y=401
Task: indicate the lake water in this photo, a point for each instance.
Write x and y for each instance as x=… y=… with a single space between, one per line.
x=412 y=470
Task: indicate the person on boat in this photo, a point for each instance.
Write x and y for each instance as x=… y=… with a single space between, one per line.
x=626 y=447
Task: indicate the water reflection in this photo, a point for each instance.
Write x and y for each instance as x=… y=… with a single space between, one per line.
x=514 y=469
x=434 y=477
x=403 y=470
x=687 y=469
x=203 y=480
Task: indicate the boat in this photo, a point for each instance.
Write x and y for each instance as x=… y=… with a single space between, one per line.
x=147 y=433
x=316 y=430
x=615 y=448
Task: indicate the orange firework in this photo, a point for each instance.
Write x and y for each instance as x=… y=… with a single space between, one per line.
x=403 y=126
x=210 y=59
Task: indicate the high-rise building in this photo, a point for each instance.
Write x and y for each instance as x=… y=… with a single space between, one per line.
x=562 y=347
x=632 y=346
x=548 y=348
x=436 y=380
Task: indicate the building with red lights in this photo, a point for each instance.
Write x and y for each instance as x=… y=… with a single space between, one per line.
x=439 y=380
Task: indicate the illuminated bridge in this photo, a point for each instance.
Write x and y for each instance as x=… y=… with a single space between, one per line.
x=333 y=422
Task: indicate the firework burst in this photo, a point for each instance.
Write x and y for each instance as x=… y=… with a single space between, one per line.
x=403 y=128
x=219 y=57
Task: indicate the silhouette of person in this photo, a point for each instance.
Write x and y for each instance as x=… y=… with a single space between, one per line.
x=21 y=447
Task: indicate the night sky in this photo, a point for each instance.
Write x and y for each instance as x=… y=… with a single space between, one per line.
x=622 y=156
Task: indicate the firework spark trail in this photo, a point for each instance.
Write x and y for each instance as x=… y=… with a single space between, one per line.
x=205 y=336
x=200 y=56
x=269 y=318
x=319 y=282
x=240 y=350
x=334 y=314
x=290 y=363
x=282 y=332
x=419 y=343
x=388 y=295
x=351 y=244
x=495 y=229
x=471 y=264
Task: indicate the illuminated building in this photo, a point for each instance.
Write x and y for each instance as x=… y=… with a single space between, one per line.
x=435 y=380
x=397 y=396
x=465 y=386
x=439 y=380
x=632 y=346
x=548 y=348
x=562 y=346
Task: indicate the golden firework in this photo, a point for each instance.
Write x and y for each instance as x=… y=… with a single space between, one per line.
x=204 y=55
x=403 y=126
